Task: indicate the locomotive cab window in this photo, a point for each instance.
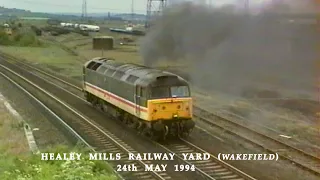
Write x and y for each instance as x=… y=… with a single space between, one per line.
x=179 y=91
x=95 y=67
x=160 y=92
x=91 y=64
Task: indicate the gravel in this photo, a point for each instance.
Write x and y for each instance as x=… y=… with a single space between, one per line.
x=45 y=133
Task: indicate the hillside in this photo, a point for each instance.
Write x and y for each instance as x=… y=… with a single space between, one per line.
x=13 y=12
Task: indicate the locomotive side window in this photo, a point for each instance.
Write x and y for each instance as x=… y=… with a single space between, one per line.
x=179 y=91
x=132 y=78
x=118 y=74
x=109 y=72
x=160 y=92
x=102 y=69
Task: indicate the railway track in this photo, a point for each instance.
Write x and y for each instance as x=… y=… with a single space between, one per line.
x=296 y=156
x=58 y=118
x=213 y=168
x=101 y=140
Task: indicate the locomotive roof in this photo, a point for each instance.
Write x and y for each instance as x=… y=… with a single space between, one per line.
x=143 y=75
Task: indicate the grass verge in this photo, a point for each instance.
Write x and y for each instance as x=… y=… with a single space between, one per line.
x=17 y=162
x=10 y=127
x=32 y=167
x=52 y=58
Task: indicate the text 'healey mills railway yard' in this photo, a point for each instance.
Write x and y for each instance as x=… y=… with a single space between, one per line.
x=157 y=156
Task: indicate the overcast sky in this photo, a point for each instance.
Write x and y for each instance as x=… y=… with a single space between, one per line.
x=93 y=6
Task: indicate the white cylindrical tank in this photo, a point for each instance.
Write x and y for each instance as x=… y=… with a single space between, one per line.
x=129 y=28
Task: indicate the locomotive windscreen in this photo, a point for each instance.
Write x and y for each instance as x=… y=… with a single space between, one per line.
x=160 y=92
x=166 y=81
x=169 y=91
x=179 y=91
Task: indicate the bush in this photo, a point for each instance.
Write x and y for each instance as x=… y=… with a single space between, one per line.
x=29 y=39
x=57 y=30
x=26 y=39
x=19 y=39
x=36 y=30
x=4 y=38
x=54 y=33
x=31 y=167
x=79 y=31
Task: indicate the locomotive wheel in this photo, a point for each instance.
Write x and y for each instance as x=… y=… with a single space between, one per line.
x=145 y=131
x=89 y=97
x=135 y=124
x=100 y=104
x=86 y=96
x=154 y=136
x=102 y=108
x=141 y=128
x=183 y=134
x=126 y=119
x=159 y=135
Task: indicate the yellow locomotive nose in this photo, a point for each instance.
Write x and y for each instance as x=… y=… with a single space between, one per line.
x=167 y=109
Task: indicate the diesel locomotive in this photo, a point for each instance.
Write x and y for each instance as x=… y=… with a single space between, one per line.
x=156 y=103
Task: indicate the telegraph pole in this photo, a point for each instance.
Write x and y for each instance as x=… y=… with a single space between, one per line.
x=84 y=10
x=132 y=11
